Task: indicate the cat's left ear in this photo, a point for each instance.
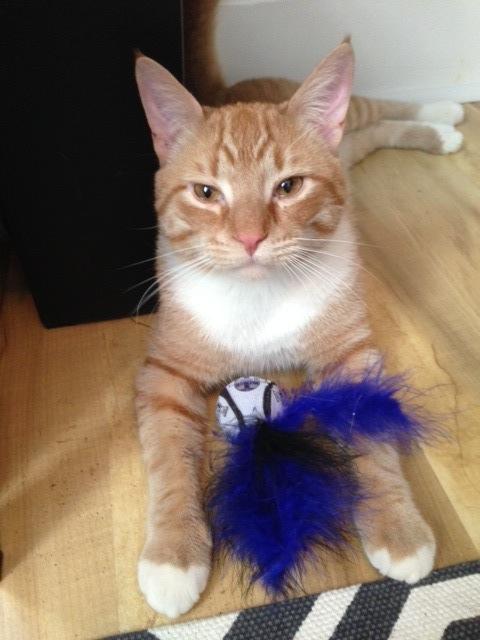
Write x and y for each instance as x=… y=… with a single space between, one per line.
x=322 y=99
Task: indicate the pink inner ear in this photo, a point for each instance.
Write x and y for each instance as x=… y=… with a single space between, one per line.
x=169 y=107
x=333 y=125
x=322 y=100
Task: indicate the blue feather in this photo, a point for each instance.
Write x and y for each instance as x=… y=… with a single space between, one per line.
x=345 y=409
x=277 y=497
x=288 y=485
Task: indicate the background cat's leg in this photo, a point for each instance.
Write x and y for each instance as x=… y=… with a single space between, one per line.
x=363 y=112
x=400 y=134
x=175 y=560
x=396 y=538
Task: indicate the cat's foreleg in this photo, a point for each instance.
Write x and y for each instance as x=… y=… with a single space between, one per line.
x=399 y=134
x=175 y=561
x=396 y=539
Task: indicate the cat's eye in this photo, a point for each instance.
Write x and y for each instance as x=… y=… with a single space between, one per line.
x=206 y=192
x=289 y=187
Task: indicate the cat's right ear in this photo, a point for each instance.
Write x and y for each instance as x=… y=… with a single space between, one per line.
x=169 y=107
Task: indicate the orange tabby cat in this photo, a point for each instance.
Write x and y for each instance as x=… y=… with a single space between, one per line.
x=259 y=271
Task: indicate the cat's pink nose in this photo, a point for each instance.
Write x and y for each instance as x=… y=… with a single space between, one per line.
x=250 y=241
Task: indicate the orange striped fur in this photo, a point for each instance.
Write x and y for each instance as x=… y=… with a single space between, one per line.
x=258 y=270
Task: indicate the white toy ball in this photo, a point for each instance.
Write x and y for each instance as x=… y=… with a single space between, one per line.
x=246 y=400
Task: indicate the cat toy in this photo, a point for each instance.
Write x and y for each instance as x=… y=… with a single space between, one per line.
x=288 y=483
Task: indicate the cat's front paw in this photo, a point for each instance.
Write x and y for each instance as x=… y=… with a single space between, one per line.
x=169 y=589
x=410 y=568
x=397 y=541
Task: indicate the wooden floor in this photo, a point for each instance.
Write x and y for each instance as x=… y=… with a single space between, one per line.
x=73 y=490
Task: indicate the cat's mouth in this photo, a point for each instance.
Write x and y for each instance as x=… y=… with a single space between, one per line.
x=253 y=269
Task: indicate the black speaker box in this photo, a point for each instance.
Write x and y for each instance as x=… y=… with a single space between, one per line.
x=78 y=165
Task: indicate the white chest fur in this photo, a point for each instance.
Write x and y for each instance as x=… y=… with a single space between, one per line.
x=249 y=317
x=260 y=321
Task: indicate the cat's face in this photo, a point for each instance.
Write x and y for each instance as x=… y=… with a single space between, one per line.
x=243 y=188
x=247 y=187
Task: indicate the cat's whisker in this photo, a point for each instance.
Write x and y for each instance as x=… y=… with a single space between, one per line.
x=327 y=240
x=178 y=278
x=317 y=280
x=188 y=270
x=146 y=296
x=305 y=250
x=157 y=281
x=339 y=283
x=179 y=267
x=182 y=250
x=206 y=269
x=284 y=250
x=162 y=255
x=134 y=264
x=324 y=273
x=307 y=272
x=169 y=277
x=291 y=272
x=292 y=264
x=303 y=276
x=155 y=226
x=345 y=258
x=143 y=301
x=310 y=267
x=327 y=273
x=139 y=284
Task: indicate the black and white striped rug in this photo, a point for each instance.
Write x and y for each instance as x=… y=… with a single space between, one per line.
x=445 y=605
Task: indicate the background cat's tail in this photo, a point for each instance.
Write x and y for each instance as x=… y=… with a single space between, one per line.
x=204 y=79
x=203 y=74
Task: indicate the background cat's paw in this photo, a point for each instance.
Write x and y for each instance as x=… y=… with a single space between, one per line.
x=410 y=569
x=169 y=589
x=448 y=140
x=442 y=112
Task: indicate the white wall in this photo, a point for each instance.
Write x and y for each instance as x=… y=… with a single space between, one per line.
x=406 y=49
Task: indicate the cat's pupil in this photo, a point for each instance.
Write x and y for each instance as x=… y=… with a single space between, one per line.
x=205 y=192
x=289 y=186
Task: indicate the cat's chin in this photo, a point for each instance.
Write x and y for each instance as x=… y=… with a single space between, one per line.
x=253 y=271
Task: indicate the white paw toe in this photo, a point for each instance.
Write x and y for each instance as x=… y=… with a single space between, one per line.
x=171 y=590
x=410 y=569
x=445 y=112
x=450 y=139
